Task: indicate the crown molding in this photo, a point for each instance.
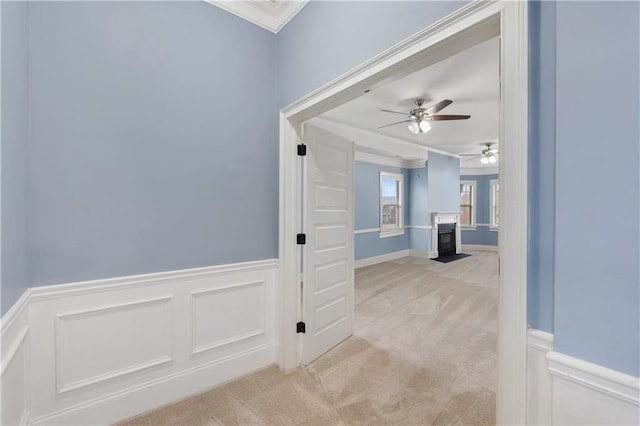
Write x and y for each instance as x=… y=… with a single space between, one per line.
x=492 y=170
x=373 y=142
x=271 y=15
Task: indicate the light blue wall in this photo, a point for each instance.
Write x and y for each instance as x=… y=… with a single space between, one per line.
x=135 y=115
x=344 y=34
x=481 y=235
x=142 y=156
x=597 y=283
x=367 y=211
x=419 y=239
x=542 y=163
x=443 y=174
x=15 y=41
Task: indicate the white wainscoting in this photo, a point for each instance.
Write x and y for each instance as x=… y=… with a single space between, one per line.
x=563 y=390
x=101 y=351
x=15 y=371
x=539 y=385
x=586 y=393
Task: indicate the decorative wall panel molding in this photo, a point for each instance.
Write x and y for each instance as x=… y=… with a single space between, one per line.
x=90 y=344
x=102 y=351
x=241 y=305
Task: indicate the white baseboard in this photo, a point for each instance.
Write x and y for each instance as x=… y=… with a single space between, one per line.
x=102 y=351
x=479 y=247
x=539 y=384
x=379 y=259
x=586 y=393
x=149 y=396
x=419 y=253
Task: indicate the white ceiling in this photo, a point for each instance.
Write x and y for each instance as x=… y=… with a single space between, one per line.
x=470 y=79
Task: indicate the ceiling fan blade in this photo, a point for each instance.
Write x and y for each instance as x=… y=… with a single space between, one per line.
x=395 y=112
x=468 y=155
x=393 y=124
x=443 y=117
x=473 y=158
x=438 y=107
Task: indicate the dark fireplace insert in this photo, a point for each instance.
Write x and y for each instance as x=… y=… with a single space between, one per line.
x=446 y=239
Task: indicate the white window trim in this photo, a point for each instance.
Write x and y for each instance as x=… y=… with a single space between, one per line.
x=400 y=231
x=474 y=187
x=492 y=224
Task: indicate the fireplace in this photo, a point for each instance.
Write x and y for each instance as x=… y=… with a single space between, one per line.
x=446 y=239
x=445 y=234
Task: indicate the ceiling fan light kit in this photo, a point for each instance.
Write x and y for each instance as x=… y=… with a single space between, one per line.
x=421 y=127
x=487 y=156
x=419 y=117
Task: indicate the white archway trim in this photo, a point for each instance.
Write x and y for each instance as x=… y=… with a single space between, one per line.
x=476 y=22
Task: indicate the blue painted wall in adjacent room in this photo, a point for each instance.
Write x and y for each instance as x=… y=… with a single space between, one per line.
x=443 y=174
x=140 y=156
x=419 y=238
x=597 y=280
x=482 y=235
x=367 y=211
x=15 y=65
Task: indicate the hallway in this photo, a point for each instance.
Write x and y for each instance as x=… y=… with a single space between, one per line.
x=423 y=352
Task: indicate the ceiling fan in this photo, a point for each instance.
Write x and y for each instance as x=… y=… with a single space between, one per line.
x=419 y=117
x=487 y=156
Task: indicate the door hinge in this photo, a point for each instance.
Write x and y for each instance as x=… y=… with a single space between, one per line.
x=302 y=150
x=301 y=239
x=300 y=327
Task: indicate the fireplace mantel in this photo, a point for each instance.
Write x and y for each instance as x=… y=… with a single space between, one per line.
x=448 y=218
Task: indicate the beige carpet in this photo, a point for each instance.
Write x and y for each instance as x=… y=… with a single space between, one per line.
x=423 y=353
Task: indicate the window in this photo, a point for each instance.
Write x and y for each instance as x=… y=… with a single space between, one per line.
x=391 y=204
x=468 y=203
x=494 y=202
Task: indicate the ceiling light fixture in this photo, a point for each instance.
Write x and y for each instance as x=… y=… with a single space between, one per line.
x=419 y=126
x=488 y=158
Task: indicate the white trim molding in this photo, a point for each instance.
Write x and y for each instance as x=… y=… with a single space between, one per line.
x=105 y=350
x=366 y=231
x=479 y=247
x=587 y=393
x=366 y=141
x=539 y=385
x=379 y=259
x=381 y=160
x=477 y=171
x=271 y=15
x=15 y=370
x=419 y=227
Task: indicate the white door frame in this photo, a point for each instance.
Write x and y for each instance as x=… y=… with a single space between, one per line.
x=473 y=23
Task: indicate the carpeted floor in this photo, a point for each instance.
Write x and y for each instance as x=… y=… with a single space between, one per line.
x=423 y=353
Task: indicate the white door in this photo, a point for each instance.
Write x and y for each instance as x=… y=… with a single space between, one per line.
x=327 y=304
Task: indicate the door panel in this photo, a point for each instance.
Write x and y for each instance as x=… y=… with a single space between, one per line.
x=328 y=254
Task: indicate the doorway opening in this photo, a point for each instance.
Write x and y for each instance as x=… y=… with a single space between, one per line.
x=478 y=21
